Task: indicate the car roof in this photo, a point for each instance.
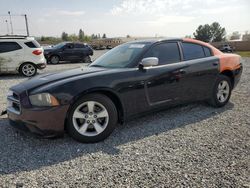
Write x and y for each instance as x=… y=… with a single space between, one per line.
x=154 y=40
x=190 y=40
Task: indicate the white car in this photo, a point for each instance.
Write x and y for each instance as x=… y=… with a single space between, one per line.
x=21 y=54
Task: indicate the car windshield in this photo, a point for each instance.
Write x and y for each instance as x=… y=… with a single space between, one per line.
x=60 y=45
x=120 y=56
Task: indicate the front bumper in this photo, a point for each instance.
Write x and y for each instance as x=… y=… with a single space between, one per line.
x=47 y=122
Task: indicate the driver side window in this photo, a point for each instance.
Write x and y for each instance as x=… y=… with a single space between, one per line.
x=167 y=53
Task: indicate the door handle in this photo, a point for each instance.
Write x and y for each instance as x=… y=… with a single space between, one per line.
x=182 y=71
x=215 y=63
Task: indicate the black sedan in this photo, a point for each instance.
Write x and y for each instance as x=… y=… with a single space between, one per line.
x=68 y=51
x=132 y=79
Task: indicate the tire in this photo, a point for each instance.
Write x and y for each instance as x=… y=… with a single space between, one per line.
x=87 y=59
x=221 y=92
x=28 y=69
x=54 y=59
x=83 y=123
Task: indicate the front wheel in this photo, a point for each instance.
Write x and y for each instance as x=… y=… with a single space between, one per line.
x=28 y=69
x=92 y=118
x=221 y=92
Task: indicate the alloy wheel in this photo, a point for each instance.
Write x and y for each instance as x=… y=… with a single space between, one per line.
x=28 y=70
x=90 y=118
x=223 y=91
x=54 y=60
x=87 y=59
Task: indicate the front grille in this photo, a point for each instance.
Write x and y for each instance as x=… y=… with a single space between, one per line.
x=14 y=103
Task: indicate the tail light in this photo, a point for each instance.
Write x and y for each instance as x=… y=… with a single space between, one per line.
x=37 y=52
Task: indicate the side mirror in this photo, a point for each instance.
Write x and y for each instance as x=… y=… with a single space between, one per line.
x=148 y=62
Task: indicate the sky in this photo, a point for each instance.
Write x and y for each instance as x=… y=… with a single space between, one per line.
x=118 y=18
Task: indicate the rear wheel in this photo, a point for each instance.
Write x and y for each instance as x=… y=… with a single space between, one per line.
x=87 y=59
x=92 y=118
x=54 y=59
x=28 y=69
x=221 y=91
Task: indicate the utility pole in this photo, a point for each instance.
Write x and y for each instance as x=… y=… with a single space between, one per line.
x=7 y=27
x=27 y=27
x=11 y=26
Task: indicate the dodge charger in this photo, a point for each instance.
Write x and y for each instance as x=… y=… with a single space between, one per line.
x=132 y=79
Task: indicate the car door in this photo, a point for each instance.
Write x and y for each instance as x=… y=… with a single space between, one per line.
x=11 y=54
x=80 y=50
x=163 y=83
x=69 y=52
x=201 y=71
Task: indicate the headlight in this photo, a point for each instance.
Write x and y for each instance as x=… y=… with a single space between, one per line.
x=43 y=99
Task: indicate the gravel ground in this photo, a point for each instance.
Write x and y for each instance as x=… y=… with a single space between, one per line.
x=188 y=146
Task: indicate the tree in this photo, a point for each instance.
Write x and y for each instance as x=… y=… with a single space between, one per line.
x=43 y=38
x=203 y=33
x=81 y=35
x=128 y=36
x=87 y=38
x=246 y=36
x=218 y=32
x=104 y=36
x=99 y=36
x=73 y=37
x=65 y=36
x=235 y=35
x=210 y=33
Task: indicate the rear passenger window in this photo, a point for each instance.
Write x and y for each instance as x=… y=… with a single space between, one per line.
x=167 y=53
x=207 y=51
x=79 y=45
x=9 y=46
x=32 y=44
x=192 y=51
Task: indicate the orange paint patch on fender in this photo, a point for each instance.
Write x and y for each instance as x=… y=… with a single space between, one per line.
x=229 y=62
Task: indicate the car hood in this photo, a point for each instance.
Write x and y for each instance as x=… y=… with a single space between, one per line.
x=44 y=79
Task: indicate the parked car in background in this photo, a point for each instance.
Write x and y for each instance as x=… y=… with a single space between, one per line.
x=105 y=43
x=130 y=80
x=98 y=47
x=226 y=48
x=69 y=51
x=21 y=54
